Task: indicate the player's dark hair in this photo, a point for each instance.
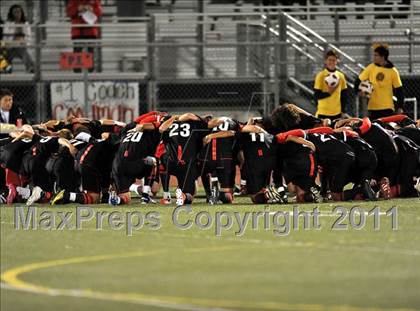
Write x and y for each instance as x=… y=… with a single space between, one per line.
x=382 y=51
x=65 y=133
x=331 y=53
x=285 y=116
x=79 y=129
x=5 y=92
x=10 y=16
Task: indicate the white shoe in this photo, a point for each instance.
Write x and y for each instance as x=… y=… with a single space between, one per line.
x=35 y=196
x=146 y=199
x=114 y=199
x=24 y=192
x=179 y=197
x=417 y=185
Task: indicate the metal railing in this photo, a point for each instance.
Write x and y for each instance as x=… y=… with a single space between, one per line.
x=202 y=56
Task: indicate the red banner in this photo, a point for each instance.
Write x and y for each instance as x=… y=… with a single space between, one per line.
x=70 y=60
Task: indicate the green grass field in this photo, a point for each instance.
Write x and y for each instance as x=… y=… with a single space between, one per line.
x=174 y=269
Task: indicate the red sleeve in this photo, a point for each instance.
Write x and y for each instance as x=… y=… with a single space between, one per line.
x=395 y=118
x=160 y=150
x=320 y=130
x=281 y=138
x=366 y=125
x=97 y=8
x=141 y=117
x=72 y=8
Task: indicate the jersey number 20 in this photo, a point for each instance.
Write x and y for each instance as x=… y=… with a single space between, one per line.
x=134 y=137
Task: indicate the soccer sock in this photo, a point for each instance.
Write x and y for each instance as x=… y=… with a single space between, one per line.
x=146 y=189
x=136 y=188
x=166 y=195
x=214 y=181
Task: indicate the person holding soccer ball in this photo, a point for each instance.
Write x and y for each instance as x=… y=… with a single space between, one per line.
x=330 y=89
x=386 y=83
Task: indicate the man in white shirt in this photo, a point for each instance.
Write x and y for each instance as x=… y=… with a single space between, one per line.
x=9 y=113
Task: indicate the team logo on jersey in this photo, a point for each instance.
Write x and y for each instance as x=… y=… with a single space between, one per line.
x=380 y=76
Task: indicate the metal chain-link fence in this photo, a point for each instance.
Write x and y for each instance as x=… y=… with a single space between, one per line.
x=239 y=64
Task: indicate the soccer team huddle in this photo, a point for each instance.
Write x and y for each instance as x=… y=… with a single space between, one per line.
x=289 y=155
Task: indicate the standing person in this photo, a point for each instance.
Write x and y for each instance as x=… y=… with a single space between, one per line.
x=386 y=82
x=84 y=12
x=17 y=30
x=331 y=99
x=9 y=113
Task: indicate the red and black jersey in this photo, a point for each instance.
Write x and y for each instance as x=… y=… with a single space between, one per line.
x=184 y=140
x=378 y=137
x=258 y=146
x=138 y=145
x=44 y=146
x=353 y=141
x=11 y=154
x=97 y=153
x=79 y=144
x=329 y=148
x=222 y=148
x=411 y=132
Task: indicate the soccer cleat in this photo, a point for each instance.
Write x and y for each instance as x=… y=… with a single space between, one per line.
x=3 y=198
x=240 y=190
x=327 y=197
x=114 y=199
x=316 y=194
x=165 y=201
x=272 y=195
x=417 y=186
x=367 y=191
x=214 y=195
x=37 y=194
x=385 y=189
x=283 y=194
x=12 y=194
x=146 y=199
x=180 y=197
x=58 y=197
x=24 y=192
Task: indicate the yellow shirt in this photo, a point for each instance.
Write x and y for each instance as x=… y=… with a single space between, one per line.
x=331 y=105
x=383 y=80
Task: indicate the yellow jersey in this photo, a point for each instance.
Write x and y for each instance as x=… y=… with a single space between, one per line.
x=384 y=80
x=331 y=105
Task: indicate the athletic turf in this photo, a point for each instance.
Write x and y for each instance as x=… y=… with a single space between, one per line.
x=194 y=269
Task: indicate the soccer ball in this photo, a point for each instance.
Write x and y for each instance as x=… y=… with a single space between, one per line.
x=332 y=79
x=366 y=87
